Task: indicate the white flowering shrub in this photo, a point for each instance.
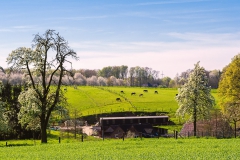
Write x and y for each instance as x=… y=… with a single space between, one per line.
x=80 y=79
x=30 y=109
x=16 y=78
x=65 y=80
x=92 y=81
x=102 y=81
x=120 y=82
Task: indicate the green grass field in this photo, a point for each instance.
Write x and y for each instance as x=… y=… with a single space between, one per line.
x=88 y=100
x=95 y=100
x=129 y=149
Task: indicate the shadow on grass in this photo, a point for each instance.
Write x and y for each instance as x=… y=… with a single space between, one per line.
x=16 y=145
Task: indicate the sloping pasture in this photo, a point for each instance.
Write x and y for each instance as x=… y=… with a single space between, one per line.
x=91 y=100
x=96 y=100
x=149 y=101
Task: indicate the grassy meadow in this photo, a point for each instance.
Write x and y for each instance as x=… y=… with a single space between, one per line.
x=95 y=100
x=87 y=100
x=163 y=148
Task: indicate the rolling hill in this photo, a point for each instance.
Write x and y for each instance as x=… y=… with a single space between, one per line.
x=87 y=100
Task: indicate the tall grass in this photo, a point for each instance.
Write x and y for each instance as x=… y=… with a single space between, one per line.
x=129 y=149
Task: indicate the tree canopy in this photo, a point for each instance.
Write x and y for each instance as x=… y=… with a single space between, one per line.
x=194 y=97
x=49 y=57
x=3 y=122
x=229 y=91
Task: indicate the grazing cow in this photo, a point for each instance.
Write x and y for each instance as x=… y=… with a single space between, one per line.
x=145 y=90
x=65 y=89
x=122 y=92
x=176 y=94
x=118 y=99
x=156 y=92
x=140 y=95
x=133 y=93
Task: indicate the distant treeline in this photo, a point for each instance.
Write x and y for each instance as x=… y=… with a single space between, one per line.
x=116 y=76
x=17 y=81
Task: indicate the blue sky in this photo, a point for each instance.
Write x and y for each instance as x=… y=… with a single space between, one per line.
x=167 y=35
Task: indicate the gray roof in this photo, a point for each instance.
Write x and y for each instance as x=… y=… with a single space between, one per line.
x=135 y=117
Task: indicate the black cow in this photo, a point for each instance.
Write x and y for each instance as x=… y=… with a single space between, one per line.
x=140 y=95
x=156 y=92
x=133 y=93
x=122 y=92
x=118 y=99
x=145 y=90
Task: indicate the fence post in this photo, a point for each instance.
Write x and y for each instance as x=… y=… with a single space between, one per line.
x=6 y=143
x=82 y=137
x=103 y=135
x=59 y=139
x=176 y=134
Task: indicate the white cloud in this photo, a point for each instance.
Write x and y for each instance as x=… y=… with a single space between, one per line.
x=214 y=51
x=19 y=29
x=208 y=38
x=23 y=27
x=83 y=17
x=170 y=62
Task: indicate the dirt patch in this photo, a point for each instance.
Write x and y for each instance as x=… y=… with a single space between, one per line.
x=87 y=130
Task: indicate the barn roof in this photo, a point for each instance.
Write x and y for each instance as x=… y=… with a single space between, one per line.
x=132 y=117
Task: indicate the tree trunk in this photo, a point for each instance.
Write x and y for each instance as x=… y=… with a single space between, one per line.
x=43 y=135
x=194 y=121
x=43 y=131
x=195 y=127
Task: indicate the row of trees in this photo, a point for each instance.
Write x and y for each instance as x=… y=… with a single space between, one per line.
x=78 y=78
x=140 y=76
x=213 y=78
x=195 y=100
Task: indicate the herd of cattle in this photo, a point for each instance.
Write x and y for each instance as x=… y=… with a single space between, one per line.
x=134 y=93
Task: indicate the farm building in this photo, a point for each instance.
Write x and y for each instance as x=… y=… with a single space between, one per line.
x=116 y=127
x=154 y=120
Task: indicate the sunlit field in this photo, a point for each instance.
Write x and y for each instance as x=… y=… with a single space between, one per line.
x=162 y=148
x=88 y=100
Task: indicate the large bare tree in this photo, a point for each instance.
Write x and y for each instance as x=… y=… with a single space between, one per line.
x=48 y=57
